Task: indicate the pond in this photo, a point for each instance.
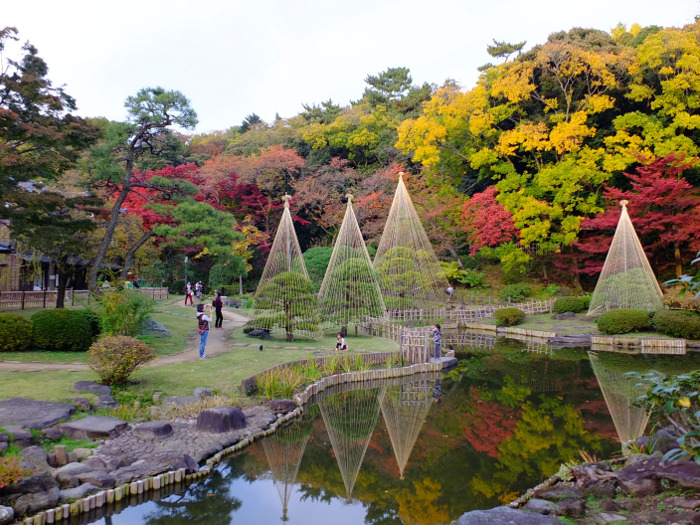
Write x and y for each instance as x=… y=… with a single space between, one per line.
x=423 y=449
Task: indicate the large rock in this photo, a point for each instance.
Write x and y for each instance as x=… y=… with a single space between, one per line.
x=203 y=391
x=36 y=458
x=94 y=427
x=541 y=506
x=28 y=413
x=505 y=516
x=220 y=419
x=67 y=475
x=77 y=492
x=82 y=403
x=33 y=503
x=105 y=401
x=182 y=401
x=7 y=515
x=97 y=477
x=259 y=333
x=92 y=387
x=138 y=470
x=153 y=327
x=21 y=437
x=36 y=482
x=645 y=477
x=154 y=430
x=571 y=507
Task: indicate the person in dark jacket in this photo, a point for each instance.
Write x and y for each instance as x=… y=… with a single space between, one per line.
x=218 y=304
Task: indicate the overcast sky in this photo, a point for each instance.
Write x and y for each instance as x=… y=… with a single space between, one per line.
x=232 y=58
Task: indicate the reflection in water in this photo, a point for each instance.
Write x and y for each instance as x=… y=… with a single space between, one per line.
x=620 y=390
x=350 y=418
x=284 y=450
x=405 y=408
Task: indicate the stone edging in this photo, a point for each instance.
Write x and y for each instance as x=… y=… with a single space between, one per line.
x=104 y=497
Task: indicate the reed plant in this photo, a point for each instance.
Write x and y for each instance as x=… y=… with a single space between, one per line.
x=331 y=365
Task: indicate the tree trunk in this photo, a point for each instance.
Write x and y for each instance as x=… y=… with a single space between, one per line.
x=63 y=273
x=107 y=239
x=129 y=259
x=677 y=256
x=240 y=285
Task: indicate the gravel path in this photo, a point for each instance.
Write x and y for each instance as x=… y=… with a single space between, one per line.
x=217 y=344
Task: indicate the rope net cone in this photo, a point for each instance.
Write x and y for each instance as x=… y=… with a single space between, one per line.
x=350 y=419
x=284 y=451
x=285 y=302
x=349 y=289
x=410 y=275
x=627 y=280
x=620 y=391
x=404 y=409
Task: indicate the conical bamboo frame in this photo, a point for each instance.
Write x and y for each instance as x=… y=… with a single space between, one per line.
x=275 y=310
x=409 y=273
x=349 y=289
x=627 y=280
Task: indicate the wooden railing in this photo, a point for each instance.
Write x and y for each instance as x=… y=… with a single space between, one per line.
x=32 y=300
x=462 y=314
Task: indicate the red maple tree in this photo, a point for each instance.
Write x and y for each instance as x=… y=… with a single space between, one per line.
x=486 y=222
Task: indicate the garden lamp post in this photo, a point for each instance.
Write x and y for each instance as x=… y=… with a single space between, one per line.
x=186 y=260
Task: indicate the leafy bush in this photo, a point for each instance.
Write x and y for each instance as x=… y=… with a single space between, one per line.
x=62 y=329
x=316 y=260
x=472 y=278
x=623 y=321
x=123 y=312
x=11 y=471
x=552 y=289
x=571 y=304
x=177 y=287
x=676 y=399
x=15 y=333
x=516 y=292
x=677 y=324
x=508 y=316
x=115 y=358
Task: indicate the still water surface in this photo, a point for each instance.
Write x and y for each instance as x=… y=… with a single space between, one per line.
x=424 y=449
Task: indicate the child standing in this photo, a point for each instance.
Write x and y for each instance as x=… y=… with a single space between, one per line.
x=437 y=339
x=203 y=321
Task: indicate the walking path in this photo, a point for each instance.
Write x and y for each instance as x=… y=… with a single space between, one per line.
x=216 y=344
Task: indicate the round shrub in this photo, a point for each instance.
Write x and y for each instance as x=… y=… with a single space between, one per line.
x=516 y=292
x=115 y=358
x=508 y=316
x=677 y=323
x=15 y=333
x=177 y=287
x=571 y=304
x=62 y=329
x=623 y=321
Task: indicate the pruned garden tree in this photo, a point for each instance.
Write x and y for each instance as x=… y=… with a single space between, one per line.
x=151 y=111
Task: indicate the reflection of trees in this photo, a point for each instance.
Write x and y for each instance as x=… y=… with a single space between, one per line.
x=405 y=408
x=284 y=451
x=418 y=504
x=620 y=391
x=208 y=501
x=350 y=418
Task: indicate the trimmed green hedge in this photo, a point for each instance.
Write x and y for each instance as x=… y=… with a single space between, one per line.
x=178 y=287
x=623 y=321
x=571 y=304
x=15 y=333
x=62 y=329
x=508 y=316
x=677 y=323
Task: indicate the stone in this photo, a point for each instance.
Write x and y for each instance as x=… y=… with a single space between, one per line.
x=37 y=458
x=261 y=334
x=92 y=387
x=3 y=447
x=153 y=430
x=564 y=315
x=571 y=507
x=77 y=492
x=156 y=396
x=33 y=503
x=81 y=403
x=505 y=516
x=181 y=401
x=600 y=489
x=94 y=427
x=105 y=401
x=541 y=506
x=683 y=502
x=95 y=463
x=220 y=419
x=203 y=392
x=644 y=478
x=67 y=475
x=35 y=482
x=7 y=515
x=138 y=469
x=4 y=438
x=608 y=517
x=558 y=491
x=61 y=454
x=28 y=413
x=153 y=327
x=51 y=434
x=21 y=437
x=98 y=478
x=82 y=453
x=282 y=406
x=179 y=461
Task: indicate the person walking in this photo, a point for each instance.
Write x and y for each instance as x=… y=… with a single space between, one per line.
x=437 y=339
x=188 y=293
x=198 y=290
x=203 y=321
x=218 y=304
